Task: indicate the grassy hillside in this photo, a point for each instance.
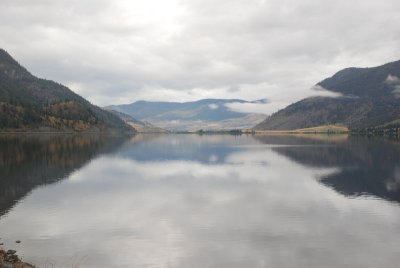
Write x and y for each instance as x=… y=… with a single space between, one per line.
x=328 y=129
x=139 y=126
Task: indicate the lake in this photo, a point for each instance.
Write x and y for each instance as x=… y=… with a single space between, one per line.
x=201 y=201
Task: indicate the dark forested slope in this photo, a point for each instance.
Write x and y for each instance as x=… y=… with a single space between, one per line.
x=28 y=103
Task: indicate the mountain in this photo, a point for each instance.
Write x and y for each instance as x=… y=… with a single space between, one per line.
x=139 y=126
x=28 y=103
x=370 y=97
x=202 y=114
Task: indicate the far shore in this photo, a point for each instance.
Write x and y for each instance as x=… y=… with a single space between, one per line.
x=329 y=129
x=320 y=130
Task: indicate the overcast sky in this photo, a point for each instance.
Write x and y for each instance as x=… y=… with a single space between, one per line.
x=120 y=51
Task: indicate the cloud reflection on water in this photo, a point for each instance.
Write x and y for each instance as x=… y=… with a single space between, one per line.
x=254 y=207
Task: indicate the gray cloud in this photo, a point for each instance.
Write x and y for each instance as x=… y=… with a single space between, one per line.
x=121 y=51
x=394 y=82
x=396 y=92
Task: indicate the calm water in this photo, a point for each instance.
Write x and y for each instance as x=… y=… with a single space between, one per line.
x=201 y=201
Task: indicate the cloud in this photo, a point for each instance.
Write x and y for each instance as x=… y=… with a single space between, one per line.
x=120 y=51
x=257 y=108
x=396 y=91
x=276 y=100
x=392 y=80
x=213 y=106
x=234 y=89
x=323 y=92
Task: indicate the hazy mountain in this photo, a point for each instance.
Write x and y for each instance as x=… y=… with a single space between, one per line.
x=370 y=97
x=202 y=114
x=139 y=126
x=30 y=103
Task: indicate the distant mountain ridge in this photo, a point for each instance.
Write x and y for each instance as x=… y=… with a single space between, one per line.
x=28 y=103
x=194 y=115
x=139 y=126
x=370 y=97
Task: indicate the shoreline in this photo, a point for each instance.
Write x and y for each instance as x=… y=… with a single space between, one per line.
x=9 y=259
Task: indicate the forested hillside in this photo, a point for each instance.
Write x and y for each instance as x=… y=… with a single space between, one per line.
x=28 y=103
x=369 y=97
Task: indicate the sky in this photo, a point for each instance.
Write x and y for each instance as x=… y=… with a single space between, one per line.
x=121 y=51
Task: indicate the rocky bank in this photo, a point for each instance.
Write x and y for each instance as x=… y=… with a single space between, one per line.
x=9 y=259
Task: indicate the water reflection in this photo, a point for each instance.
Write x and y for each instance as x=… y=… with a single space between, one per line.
x=28 y=161
x=368 y=166
x=208 y=201
x=205 y=149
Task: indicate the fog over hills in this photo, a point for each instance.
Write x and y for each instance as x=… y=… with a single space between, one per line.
x=367 y=97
